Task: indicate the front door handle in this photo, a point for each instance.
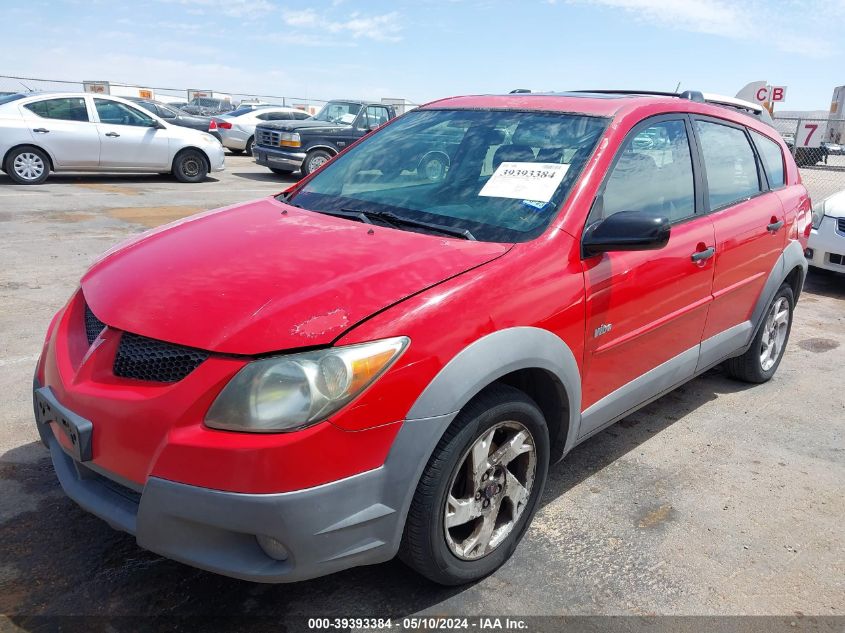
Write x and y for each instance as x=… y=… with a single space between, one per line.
x=41 y=130
x=700 y=256
x=112 y=134
x=774 y=227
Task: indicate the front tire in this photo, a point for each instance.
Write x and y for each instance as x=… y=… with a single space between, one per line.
x=190 y=166
x=479 y=490
x=315 y=159
x=27 y=165
x=760 y=362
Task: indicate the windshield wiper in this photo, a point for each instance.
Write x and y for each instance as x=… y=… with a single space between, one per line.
x=392 y=218
x=396 y=221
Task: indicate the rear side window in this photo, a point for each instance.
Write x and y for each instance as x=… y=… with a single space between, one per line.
x=772 y=157
x=299 y=116
x=274 y=116
x=652 y=174
x=66 y=108
x=730 y=163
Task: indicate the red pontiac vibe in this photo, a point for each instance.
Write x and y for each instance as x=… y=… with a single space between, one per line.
x=386 y=358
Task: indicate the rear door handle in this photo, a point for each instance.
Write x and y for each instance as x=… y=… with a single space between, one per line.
x=700 y=256
x=774 y=227
x=41 y=130
x=112 y=134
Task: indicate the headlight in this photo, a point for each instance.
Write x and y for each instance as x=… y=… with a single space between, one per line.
x=286 y=393
x=818 y=214
x=289 y=139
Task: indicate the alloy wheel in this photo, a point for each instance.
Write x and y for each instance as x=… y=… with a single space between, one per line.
x=774 y=333
x=490 y=490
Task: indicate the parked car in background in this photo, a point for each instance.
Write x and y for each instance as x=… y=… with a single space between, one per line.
x=285 y=147
x=178 y=117
x=826 y=248
x=208 y=106
x=237 y=128
x=40 y=133
x=374 y=363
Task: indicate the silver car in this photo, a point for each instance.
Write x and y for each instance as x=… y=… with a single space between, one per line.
x=40 y=133
x=237 y=128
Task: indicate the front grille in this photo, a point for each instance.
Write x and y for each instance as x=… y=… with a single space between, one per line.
x=270 y=138
x=93 y=325
x=840 y=224
x=144 y=358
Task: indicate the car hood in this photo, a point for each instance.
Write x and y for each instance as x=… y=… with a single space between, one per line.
x=290 y=126
x=264 y=276
x=834 y=205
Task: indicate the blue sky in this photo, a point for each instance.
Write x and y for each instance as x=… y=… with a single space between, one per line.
x=425 y=49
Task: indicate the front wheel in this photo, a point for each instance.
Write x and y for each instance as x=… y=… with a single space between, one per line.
x=760 y=362
x=314 y=160
x=480 y=489
x=190 y=166
x=27 y=166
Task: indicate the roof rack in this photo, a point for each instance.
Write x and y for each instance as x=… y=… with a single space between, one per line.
x=691 y=95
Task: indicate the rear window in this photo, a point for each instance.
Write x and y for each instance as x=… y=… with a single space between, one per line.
x=11 y=97
x=730 y=163
x=772 y=157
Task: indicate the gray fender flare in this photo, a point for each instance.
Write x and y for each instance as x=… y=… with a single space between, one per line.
x=791 y=258
x=493 y=356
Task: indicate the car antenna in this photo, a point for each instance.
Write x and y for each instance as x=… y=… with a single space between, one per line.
x=28 y=89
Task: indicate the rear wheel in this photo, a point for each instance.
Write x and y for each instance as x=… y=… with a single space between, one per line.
x=760 y=362
x=249 y=149
x=314 y=160
x=480 y=489
x=27 y=165
x=190 y=166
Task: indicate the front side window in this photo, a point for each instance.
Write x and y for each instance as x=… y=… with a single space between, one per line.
x=729 y=162
x=116 y=113
x=66 y=109
x=376 y=115
x=652 y=174
x=772 y=157
x=501 y=175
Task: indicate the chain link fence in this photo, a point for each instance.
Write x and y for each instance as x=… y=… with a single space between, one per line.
x=818 y=146
x=10 y=83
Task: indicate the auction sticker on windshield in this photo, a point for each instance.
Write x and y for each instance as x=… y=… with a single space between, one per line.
x=525 y=181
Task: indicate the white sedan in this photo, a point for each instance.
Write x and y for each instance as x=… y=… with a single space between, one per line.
x=237 y=128
x=61 y=132
x=826 y=248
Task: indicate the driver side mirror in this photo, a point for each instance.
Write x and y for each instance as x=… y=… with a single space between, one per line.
x=626 y=231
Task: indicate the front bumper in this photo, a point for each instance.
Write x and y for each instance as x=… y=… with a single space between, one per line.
x=346 y=523
x=826 y=246
x=275 y=158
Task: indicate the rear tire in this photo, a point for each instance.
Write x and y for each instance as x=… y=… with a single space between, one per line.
x=190 y=165
x=760 y=362
x=27 y=165
x=249 y=148
x=465 y=487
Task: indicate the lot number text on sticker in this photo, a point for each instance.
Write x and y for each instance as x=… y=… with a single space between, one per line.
x=525 y=181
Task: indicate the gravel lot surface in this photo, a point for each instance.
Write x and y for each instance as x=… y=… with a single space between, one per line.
x=719 y=498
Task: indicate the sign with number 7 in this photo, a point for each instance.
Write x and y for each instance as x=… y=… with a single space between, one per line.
x=811 y=133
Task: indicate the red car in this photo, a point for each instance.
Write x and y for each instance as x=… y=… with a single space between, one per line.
x=383 y=361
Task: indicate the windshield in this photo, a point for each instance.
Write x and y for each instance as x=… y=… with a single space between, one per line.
x=502 y=175
x=10 y=97
x=338 y=112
